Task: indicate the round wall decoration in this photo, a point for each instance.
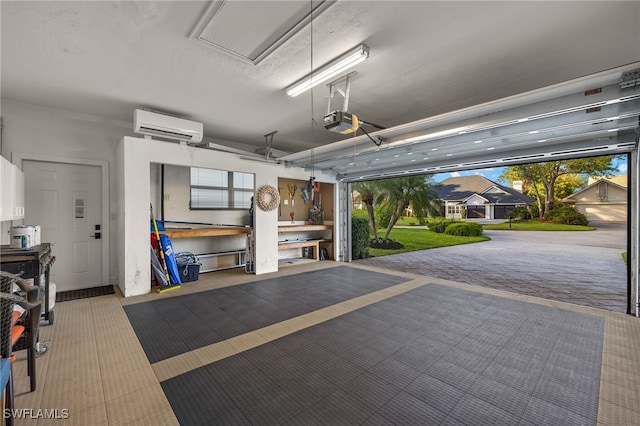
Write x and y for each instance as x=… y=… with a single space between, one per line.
x=268 y=198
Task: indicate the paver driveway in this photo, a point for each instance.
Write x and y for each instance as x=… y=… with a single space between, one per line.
x=585 y=268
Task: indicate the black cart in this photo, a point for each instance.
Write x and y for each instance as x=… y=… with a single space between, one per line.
x=31 y=264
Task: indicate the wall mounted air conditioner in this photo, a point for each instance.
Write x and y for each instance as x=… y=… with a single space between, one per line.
x=167 y=127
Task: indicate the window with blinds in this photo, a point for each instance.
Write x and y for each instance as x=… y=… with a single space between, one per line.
x=220 y=189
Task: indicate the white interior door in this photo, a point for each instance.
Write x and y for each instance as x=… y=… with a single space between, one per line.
x=66 y=201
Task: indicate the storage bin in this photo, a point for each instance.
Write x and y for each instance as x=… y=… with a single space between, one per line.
x=189 y=272
x=188 y=266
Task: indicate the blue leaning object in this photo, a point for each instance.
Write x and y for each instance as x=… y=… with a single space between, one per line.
x=170 y=259
x=5 y=373
x=159 y=224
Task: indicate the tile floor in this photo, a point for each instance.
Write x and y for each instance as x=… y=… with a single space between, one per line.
x=416 y=350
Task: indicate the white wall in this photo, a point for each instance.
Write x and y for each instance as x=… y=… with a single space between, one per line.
x=56 y=134
x=135 y=157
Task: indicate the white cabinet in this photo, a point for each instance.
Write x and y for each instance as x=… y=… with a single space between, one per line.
x=6 y=189
x=18 y=193
x=11 y=191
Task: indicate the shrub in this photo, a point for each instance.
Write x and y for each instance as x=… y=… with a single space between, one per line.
x=440 y=224
x=464 y=229
x=360 y=237
x=535 y=210
x=566 y=215
x=360 y=213
x=519 y=213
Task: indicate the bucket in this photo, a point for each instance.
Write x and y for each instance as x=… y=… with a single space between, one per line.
x=25 y=236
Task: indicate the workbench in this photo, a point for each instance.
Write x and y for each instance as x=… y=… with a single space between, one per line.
x=205 y=232
x=314 y=236
x=239 y=256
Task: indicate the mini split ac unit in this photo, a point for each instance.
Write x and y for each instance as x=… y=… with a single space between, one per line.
x=167 y=127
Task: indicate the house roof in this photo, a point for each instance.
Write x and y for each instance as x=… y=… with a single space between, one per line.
x=572 y=197
x=462 y=187
x=619 y=179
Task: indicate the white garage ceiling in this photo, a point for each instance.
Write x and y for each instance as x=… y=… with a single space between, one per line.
x=431 y=63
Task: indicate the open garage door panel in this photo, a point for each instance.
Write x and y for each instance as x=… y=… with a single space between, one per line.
x=595 y=115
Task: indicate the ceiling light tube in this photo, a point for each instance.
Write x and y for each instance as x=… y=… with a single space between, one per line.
x=330 y=70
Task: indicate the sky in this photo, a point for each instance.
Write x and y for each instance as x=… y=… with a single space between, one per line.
x=494 y=173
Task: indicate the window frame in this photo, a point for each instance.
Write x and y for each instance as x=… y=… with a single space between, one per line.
x=230 y=189
x=455 y=208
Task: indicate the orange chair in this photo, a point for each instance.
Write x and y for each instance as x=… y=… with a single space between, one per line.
x=18 y=331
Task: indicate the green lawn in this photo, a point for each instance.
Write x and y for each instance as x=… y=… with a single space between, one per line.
x=408 y=221
x=422 y=239
x=534 y=225
x=529 y=225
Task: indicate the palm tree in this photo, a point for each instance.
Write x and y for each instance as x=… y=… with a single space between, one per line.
x=370 y=194
x=402 y=192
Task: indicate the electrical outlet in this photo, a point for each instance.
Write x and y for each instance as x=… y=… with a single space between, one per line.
x=167 y=197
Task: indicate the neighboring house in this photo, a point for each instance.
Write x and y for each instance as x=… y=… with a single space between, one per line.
x=603 y=200
x=476 y=197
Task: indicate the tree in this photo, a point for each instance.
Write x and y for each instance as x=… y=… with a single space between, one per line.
x=530 y=184
x=370 y=194
x=414 y=191
x=568 y=184
x=546 y=175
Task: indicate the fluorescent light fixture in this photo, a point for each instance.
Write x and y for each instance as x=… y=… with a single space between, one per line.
x=332 y=69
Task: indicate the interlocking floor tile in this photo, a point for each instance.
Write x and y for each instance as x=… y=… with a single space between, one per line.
x=247 y=385
x=396 y=372
x=340 y=408
x=473 y=411
x=405 y=409
x=377 y=420
x=273 y=407
x=436 y=393
x=453 y=374
x=468 y=360
x=371 y=390
x=523 y=380
x=541 y=412
x=502 y=396
x=570 y=398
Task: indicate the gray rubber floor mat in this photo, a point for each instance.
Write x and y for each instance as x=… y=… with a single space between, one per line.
x=433 y=355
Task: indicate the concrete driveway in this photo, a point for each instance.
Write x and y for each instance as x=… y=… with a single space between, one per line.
x=581 y=267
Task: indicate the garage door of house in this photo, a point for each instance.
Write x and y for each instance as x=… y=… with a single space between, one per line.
x=476 y=212
x=500 y=212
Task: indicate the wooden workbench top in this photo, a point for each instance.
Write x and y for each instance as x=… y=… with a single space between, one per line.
x=206 y=232
x=296 y=228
